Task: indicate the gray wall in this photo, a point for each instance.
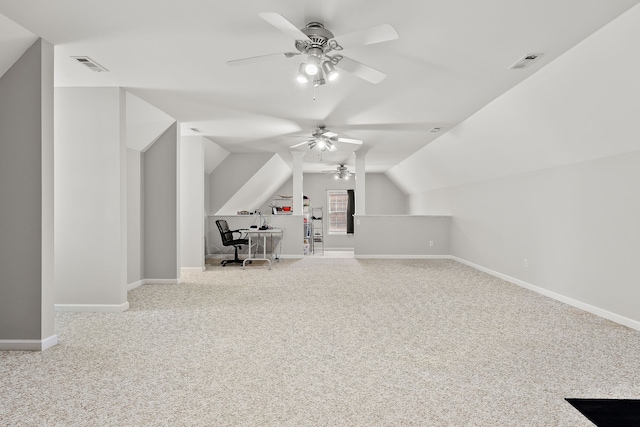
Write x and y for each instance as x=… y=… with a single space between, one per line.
x=160 y=207
x=578 y=226
x=382 y=198
x=402 y=236
x=26 y=196
x=230 y=175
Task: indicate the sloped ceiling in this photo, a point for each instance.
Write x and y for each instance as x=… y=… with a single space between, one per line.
x=145 y=123
x=259 y=188
x=581 y=107
x=14 y=41
x=450 y=60
x=213 y=155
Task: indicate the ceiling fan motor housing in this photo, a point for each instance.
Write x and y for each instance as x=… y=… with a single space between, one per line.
x=318 y=39
x=317 y=33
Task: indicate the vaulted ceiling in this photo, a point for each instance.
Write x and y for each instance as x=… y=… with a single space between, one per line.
x=452 y=58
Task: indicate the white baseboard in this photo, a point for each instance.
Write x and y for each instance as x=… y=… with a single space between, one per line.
x=625 y=321
x=139 y=283
x=93 y=308
x=402 y=256
x=290 y=256
x=192 y=269
x=28 y=345
x=160 y=281
x=134 y=285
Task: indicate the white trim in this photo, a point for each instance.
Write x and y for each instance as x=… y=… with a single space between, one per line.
x=134 y=285
x=192 y=269
x=634 y=324
x=49 y=342
x=291 y=256
x=402 y=256
x=28 y=345
x=93 y=308
x=160 y=281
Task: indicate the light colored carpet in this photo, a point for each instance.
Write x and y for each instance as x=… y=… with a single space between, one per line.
x=324 y=342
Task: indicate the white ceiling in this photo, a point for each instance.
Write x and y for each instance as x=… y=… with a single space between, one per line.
x=451 y=59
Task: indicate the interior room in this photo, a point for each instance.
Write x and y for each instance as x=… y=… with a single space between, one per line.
x=432 y=211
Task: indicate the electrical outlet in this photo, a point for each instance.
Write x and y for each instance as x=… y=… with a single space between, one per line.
x=525 y=264
x=430 y=242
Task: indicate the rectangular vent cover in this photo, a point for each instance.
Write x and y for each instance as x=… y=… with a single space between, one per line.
x=525 y=61
x=90 y=63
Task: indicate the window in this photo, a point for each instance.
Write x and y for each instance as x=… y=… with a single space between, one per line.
x=337 y=201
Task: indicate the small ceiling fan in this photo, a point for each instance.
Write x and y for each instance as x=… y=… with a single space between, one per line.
x=341 y=172
x=316 y=42
x=323 y=140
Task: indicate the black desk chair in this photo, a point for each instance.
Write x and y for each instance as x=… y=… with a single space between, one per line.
x=227 y=240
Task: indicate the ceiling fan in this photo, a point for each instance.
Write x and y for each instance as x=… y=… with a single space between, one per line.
x=316 y=42
x=323 y=140
x=341 y=172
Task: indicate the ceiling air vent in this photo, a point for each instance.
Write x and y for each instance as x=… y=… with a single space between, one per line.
x=525 y=61
x=90 y=63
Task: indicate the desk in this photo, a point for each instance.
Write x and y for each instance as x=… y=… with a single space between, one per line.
x=256 y=233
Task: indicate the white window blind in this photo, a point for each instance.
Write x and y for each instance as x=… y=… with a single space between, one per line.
x=337 y=213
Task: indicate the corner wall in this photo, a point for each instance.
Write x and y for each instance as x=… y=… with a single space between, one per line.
x=160 y=209
x=134 y=218
x=192 y=203
x=26 y=202
x=549 y=173
x=91 y=200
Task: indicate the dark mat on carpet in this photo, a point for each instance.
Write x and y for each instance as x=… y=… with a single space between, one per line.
x=609 y=412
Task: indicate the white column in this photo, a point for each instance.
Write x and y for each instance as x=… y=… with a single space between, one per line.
x=360 y=182
x=192 y=212
x=90 y=200
x=297 y=182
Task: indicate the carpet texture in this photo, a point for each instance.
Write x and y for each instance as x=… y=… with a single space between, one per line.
x=609 y=412
x=324 y=342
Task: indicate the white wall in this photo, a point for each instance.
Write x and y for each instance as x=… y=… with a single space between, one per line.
x=192 y=199
x=90 y=204
x=134 y=217
x=550 y=172
x=26 y=202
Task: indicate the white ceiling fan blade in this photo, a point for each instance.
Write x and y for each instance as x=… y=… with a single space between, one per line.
x=349 y=141
x=282 y=24
x=260 y=58
x=360 y=70
x=378 y=34
x=301 y=143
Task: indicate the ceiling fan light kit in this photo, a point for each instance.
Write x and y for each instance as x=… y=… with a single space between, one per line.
x=324 y=140
x=316 y=42
x=341 y=172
